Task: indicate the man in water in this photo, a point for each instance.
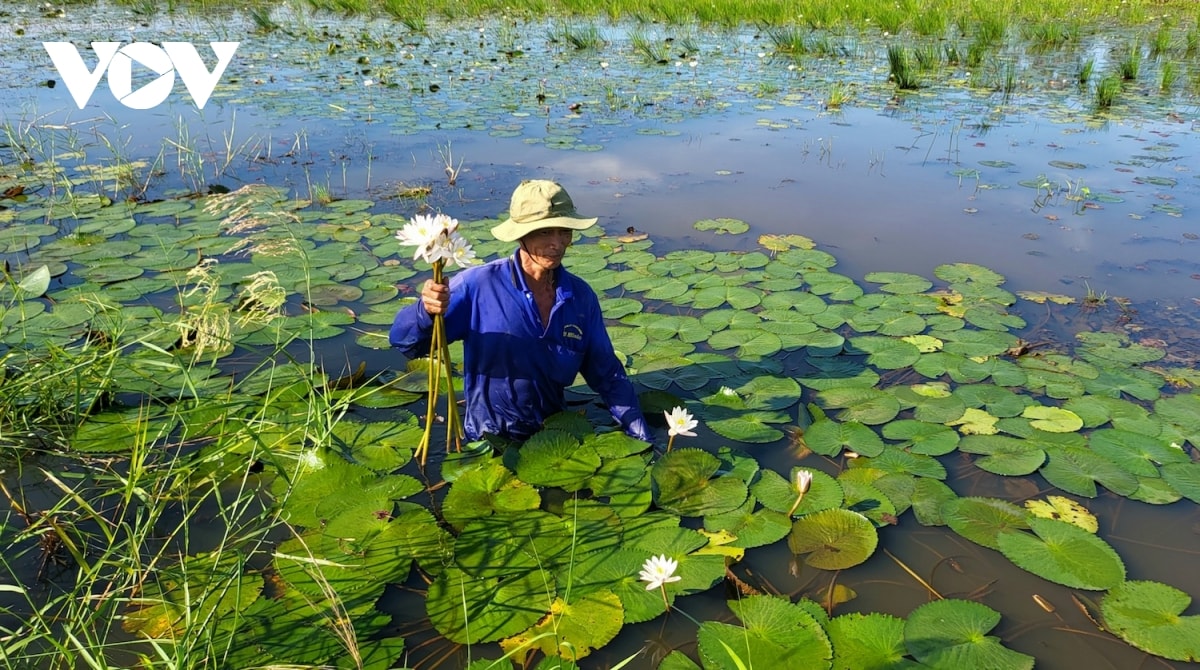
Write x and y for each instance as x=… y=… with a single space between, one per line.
x=528 y=326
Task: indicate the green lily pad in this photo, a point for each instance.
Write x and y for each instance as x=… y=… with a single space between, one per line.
x=920 y=437
x=833 y=539
x=573 y=630
x=722 y=226
x=1115 y=348
x=555 y=458
x=928 y=498
x=953 y=634
x=1078 y=470
x=873 y=640
x=828 y=437
x=750 y=427
x=1137 y=453
x=1003 y=455
x=865 y=405
x=777 y=634
x=1148 y=615
x=750 y=527
x=983 y=520
x=886 y=353
x=1063 y=553
x=1184 y=478
x=685 y=484
x=489 y=489
x=899 y=282
x=469 y=609
x=778 y=494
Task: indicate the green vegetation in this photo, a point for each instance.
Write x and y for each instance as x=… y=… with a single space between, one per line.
x=199 y=469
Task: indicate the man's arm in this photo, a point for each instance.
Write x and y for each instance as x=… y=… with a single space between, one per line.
x=606 y=375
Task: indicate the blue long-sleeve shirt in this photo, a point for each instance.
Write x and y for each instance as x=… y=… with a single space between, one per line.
x=514 y=370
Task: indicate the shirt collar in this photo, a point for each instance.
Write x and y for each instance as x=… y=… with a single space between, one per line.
x=518 y=276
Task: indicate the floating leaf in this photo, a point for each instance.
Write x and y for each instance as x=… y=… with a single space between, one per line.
x=1053 y=419
x=833 y=539
x=887 y=353
x=685 y=484
x=555 y=458
x=778 y=494
x=1003 y=455
x=751 y=427
x=982 y=520
x=828 y=438
x=865 y=405
x=489 y=489
x=777 y=634
x=722 y=226
x=469 y=609
x=874 y=640
x=1148 y=615
x=920 y=437
x=1077 y=470
x=573 y=630
x=1065 y=554
x=953 y=634
x=1064 y=509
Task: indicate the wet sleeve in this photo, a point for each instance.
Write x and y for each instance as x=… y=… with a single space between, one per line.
x=412 y=329
x=605 y=374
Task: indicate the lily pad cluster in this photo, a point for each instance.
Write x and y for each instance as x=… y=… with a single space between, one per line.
x=761 y=345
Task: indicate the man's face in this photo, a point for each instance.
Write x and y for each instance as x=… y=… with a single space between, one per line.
x=547 y=246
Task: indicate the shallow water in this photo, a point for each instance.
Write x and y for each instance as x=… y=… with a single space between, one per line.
x=903 y=185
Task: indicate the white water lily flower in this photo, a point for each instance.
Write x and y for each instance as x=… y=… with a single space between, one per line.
x=658 y=571
x=460 y=252
x=421 y=232
x=679 y=422
x=803 y=481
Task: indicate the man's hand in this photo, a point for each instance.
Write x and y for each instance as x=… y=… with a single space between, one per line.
x=435 y=297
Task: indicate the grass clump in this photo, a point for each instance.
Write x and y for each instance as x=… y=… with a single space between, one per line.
x=787 y=40
x=1131 y=64
x=580 y=38
x=901 y=69
x=1107 y=91
x=649 y=50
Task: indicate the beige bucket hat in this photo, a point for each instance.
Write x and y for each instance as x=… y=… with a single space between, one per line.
x=538 y=204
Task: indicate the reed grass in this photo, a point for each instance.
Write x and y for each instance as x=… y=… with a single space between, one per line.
x=1130 y=66
x=931 y=21
x=1168 y=75
x=900 y=66
x=1085 y=71
x=1108 y=90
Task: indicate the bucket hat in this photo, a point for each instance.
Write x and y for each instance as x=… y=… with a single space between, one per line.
x=538 y=204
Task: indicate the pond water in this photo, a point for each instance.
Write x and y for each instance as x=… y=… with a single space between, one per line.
x=1024 y=178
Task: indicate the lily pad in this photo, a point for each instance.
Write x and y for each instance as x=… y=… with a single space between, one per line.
x=777 y=634
x=685 y=484
x=722 y=226
x=555 y=458
x=1064 y=509
x=828 y=437
x=833 y=539
x=469 y=609
x=953 y=634
x=1064 y=553
x=1148 y=615
x=874 y=640
x=983 y=520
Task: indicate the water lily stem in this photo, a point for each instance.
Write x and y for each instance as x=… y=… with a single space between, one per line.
x=666 y=603
x=795 y=504
x=670 y=441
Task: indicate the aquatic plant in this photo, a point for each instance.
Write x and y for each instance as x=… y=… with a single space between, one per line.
x=1108 y=90
x=902 y=72
x=1131 y=63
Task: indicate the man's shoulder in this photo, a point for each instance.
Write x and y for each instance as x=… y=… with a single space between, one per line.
x=580 y=289
x=485 y=272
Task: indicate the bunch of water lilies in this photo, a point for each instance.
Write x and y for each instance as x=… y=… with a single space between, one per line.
x=437 y=242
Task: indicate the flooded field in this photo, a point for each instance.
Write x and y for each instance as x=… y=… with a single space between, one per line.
x=952 y=275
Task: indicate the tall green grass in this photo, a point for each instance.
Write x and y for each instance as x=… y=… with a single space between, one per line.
x=900 y=66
